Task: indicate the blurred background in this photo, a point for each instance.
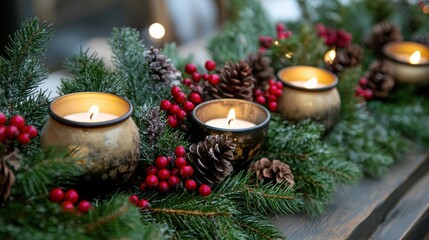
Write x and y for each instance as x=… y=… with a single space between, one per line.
x=88 y=23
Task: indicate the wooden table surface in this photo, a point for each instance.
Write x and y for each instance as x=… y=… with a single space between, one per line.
x=392 y=207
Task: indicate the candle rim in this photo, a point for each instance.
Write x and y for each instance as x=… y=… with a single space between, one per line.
x=68 y=122
x=390 y=56
x=288 y=83
x=263 y=123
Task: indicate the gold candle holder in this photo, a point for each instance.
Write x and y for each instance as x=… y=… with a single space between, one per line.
x=409 y=62
x=248 y=132
x=309 y=92
x=107 y=142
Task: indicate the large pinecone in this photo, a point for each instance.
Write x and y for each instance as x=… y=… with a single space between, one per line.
x=161 y=68
x=381 y=34
x=261 y=68
x=236 y=81
x=275 y=171
x=380 y=79
x=211 y=158
x=349 y=57
x=7 y=178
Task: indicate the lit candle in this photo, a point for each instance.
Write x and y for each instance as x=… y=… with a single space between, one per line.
x=93 y=115
x=310 y=84
x=230 y=122
x=330 y=56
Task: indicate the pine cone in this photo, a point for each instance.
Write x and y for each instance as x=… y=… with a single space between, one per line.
x=349 y=57
x=211 y=158
x=161 y=68
x=380 y=79
x=236 y=81
x=381 y=34
x=261 y=68
x=7 y=178
x=275 y=171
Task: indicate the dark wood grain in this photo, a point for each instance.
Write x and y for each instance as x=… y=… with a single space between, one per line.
x=357 y=211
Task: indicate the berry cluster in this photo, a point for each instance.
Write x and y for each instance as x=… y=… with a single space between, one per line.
x=270 y=95
x=17 y=129
x=362 y=89
x=265 y=42
x=282 y=33
x=196 y=77
x=68 y=199
x=334 y=37
x=178 y=109
x=168 y=173
x=140 y=203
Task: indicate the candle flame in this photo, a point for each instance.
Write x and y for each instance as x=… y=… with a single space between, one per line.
x=231 y=117
x=330 y=56
x=415 y=58
x=312 y=83
x=93 y=110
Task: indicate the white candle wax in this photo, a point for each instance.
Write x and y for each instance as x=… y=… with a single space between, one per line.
x=406 y=58
x=85 y=117
x=302 y=84
x=235 y=124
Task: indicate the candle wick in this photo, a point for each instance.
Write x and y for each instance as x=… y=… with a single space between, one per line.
x=90 y=116
x=229 y=122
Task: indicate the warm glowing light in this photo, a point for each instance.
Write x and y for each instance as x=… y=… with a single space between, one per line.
x=330 y=56
x=288 y=55
x=312 y=83
x=415 y=58
x=425 y=9
x=276 y=43
x=157 y=31
x=231 y=117
x=93 y=110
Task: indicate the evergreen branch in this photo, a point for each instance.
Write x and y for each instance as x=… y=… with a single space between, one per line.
x=188 y=212
x=107 y=219
x=258 y=226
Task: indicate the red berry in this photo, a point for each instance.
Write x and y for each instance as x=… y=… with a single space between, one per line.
x=186 y=171
x=173 y=181
x=133 y=199
x=172 y=121
x=163 y=174
x=67 y=207
x=23 y=138
x=359 y=91
x=180 y=151
x=214 y=79
x=31 y=130
x=278 y=92
x=181 y=115
x=17 y=121
x=279 y=85
x=12 y=132
x=142 y=186
x=363 y=81
x=368 y=94
x=174 y=109
x=180 y=162
x=165 y=105
x=56 y=195
x=143 y=204
x=321 y=29
x=195 y=98
x=196 y=77
x=257 y=92
x=169 y=159
x=71 y=195
x=272 y=106
x=163 y=187
x=175 y=90
x=3 y=136
x=271 y=82
x=175 y=172
x=161 y=162
x=3 y=119
x=261 y=99
x=206 y=76
x=204 y=190
x=190 y=185
x=272 y=98
x=151 y=181
x=84 y=206
x=187 y=82
x=180 y=98
x=188 y=106
x=210 y=65
x=190 y=68
x=280 y=27
x=151 y=170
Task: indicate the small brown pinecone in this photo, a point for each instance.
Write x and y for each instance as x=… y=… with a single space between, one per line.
x=261 y=68
x=275 y=171
x=7 y=177
x=349 y=57
x=380 y=79
x=236 y=81
x=381 y=34
x=211 y=158
x=161 y=68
